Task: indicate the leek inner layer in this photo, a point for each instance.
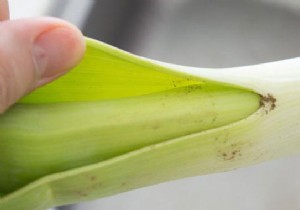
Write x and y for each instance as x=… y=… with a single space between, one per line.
x=42 y=139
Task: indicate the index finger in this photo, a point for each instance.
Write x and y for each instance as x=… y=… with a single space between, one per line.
x=4 y=10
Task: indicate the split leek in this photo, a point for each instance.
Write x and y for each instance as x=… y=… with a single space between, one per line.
x=119 y=122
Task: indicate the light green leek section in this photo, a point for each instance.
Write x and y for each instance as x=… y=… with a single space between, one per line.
x=216 y=150
x=37 y=140
x=106 y=73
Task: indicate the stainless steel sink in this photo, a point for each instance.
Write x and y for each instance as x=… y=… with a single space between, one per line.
x=223 y=33
x=209 y=33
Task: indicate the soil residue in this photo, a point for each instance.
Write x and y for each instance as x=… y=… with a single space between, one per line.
x=268 y=103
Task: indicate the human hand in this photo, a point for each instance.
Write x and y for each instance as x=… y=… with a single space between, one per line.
x=34 y=52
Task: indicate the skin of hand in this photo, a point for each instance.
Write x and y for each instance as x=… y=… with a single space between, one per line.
x=33 y=52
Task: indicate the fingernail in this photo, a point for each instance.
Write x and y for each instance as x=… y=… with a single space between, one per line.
x=53 y=51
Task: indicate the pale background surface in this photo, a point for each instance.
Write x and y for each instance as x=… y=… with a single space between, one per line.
x=213 y=33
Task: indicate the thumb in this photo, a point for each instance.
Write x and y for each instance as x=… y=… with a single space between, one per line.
x=34 y=52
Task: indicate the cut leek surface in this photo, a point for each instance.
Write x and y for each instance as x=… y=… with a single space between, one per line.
x=119 y=122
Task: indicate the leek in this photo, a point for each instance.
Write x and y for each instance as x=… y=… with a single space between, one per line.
x=119 y=122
